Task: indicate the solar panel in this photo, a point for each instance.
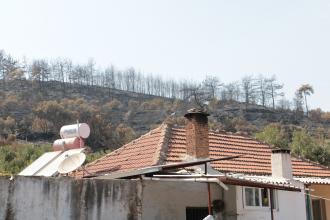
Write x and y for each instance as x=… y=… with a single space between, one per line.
x=48 y=163
x=38 y=164
x=52 y=167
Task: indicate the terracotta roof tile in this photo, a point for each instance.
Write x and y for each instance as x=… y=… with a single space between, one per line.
x=257 y=159
x=165 y=145
x=136 y=154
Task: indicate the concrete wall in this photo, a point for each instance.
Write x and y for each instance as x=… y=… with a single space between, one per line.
x=167 y=200
x=291 y=205
x=322 y=191
x=65 y=198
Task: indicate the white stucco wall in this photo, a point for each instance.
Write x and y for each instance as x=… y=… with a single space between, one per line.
x=291 y=206
x=167 y=200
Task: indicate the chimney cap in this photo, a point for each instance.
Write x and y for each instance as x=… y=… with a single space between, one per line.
x=278 y=150
x=196 y=111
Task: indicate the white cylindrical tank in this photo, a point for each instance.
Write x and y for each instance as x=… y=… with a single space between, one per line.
x=68 y=143
x=69 y=131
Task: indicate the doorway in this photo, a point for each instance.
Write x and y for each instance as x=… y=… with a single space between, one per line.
x=318 y=209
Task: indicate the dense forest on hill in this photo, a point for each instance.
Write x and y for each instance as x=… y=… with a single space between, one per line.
x=38 y=97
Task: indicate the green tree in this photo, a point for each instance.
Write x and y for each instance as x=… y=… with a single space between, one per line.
x=305 y=145
x=320 y=154
x=302 y=143
x=306 y=90
x=274 y=135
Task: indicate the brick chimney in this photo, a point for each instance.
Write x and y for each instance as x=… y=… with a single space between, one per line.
x=197 y=134
x=281 y=163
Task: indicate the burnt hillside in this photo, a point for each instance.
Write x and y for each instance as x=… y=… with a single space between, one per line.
x=33 y=111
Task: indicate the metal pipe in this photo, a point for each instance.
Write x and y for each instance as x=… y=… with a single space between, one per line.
x=200 y=180
x=80 y=141
x=271 y=204
x=209 y=198
x=187 y=175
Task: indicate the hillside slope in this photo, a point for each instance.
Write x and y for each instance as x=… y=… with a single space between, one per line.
x=35 y=111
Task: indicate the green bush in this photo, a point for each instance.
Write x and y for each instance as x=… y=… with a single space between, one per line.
x=274 y=135
x=96 y=155
x=14 y=158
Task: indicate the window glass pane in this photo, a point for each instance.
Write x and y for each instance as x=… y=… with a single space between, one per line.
x=257 y=197
x=264 y=197
x=249 y=196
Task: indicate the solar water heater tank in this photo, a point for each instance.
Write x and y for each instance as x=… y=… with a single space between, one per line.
x=75 y=130
x=68 y=143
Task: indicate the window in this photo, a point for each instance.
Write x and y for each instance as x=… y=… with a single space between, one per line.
x=264 y=197
x=256 y=197
x=196 y=213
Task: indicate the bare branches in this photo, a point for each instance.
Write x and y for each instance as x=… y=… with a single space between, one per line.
x=274 y=89
x=249 y=88
x=265 y=91
x=211 y=85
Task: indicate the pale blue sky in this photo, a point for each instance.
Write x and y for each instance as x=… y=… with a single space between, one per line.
x=180 y=38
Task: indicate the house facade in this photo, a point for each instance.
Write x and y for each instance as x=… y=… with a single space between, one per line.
x=186 y=200
x=262 y=183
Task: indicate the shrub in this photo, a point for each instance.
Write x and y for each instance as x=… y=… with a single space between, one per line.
x=274 y=135
x=14 y=158
x=125 y=134
x=113 y=105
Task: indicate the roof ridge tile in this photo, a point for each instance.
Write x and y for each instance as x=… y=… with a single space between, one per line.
x=162 y=147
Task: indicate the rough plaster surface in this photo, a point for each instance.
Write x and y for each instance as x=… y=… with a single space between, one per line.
x=69 y=199
x=66 y=198
x=167 y=200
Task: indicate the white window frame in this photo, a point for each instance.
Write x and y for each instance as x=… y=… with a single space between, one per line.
x=260 y=199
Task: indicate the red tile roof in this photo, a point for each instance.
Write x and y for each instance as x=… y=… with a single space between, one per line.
x=165 y=145
x=142 y=152
x=257 y=159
